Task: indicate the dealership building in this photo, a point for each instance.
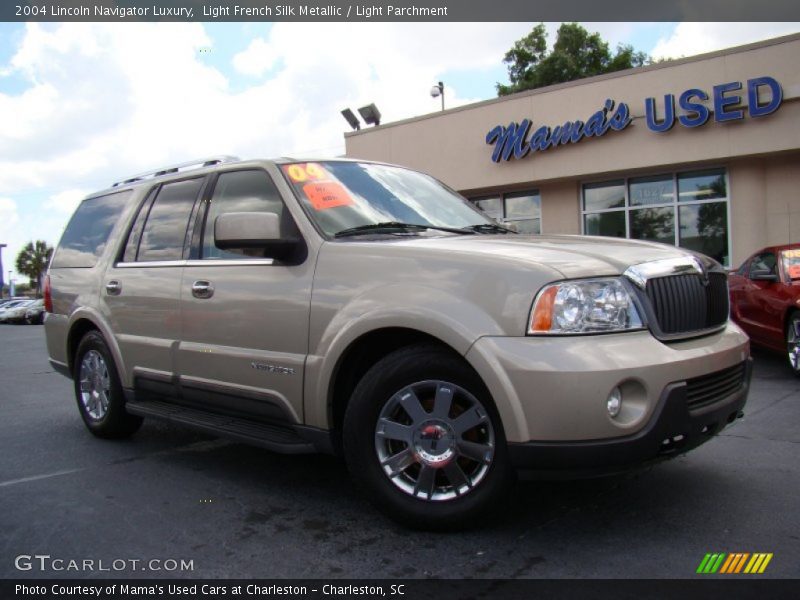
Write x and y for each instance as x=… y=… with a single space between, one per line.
x=701 y=152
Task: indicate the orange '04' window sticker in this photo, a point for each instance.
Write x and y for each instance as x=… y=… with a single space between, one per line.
x=327 y=194
x=794 y=271
x=301 y=172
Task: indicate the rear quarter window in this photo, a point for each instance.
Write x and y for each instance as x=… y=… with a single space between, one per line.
x=87 y=232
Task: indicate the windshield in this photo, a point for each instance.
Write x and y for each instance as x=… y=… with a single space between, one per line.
x=791 y=264
x=341 y=196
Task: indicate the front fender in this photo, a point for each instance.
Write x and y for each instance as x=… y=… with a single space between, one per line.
x=452 y=320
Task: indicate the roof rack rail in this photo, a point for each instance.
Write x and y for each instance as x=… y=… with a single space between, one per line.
x=185 y=166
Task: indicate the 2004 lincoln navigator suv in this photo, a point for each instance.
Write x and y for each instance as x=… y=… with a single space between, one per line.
x=363 y=308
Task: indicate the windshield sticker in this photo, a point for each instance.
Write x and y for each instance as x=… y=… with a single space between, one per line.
x=791 y=253
x=327 y=194
x=794 y=271
x=302 y=172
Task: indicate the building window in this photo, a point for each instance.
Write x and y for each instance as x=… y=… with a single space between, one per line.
x=688 y=209
x=520 y=211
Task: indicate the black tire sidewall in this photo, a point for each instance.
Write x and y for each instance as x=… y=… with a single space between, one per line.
x=116 y=422
x=375 y=389
x=793 y=318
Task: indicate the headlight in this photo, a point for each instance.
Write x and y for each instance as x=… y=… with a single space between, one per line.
x=584 y=306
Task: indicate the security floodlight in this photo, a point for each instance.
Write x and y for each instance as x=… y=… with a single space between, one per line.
x=370 y=114
x=351 y=119
x=438 y=90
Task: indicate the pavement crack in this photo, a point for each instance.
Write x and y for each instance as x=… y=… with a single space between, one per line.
x=776 y=402
x=758 y=439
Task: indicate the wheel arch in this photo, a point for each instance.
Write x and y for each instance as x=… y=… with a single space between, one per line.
x=787 y=318
x=82 y=323
x=361 y=354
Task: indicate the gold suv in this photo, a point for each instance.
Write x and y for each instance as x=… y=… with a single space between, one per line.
x=366 y=309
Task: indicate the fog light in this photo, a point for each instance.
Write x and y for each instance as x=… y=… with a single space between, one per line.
x=614 y=402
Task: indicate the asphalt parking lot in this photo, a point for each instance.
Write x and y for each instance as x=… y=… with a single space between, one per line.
x=237 y=511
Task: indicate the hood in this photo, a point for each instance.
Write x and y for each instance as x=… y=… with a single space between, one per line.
x=570 y=255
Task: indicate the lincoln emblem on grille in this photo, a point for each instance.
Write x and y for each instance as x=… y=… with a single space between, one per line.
x=683 y=265
x=702 y=270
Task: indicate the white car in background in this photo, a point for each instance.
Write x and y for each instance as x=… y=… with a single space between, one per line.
x=34 y=312
x=14 y=312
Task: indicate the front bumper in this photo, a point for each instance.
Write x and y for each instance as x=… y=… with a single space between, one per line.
x=672 y=429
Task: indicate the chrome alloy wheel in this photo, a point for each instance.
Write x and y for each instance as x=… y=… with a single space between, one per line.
x=434 y=440
x=95 y=384
x=793 y=345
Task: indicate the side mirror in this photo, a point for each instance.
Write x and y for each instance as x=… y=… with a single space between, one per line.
x=763 y=275
x=257 y=230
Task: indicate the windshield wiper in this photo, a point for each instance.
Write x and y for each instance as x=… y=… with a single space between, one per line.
x=489 y=228
x=371 y=227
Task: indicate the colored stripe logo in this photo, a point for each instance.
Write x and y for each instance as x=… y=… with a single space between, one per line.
x=734 y=563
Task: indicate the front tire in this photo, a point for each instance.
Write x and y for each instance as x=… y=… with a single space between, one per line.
x=98 y=390
x=423 y=439
x=793 y=343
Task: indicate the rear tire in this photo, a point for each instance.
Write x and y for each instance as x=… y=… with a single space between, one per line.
x=98 y=390
x=793 y=343
x=424 y=441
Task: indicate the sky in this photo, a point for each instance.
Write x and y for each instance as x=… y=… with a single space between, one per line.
x=85 y=104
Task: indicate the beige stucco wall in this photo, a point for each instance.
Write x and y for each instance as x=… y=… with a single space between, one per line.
x=748 y=227
x=451 y=145
x=761 y=154
x=560 y=207
x=782 y=178
x=765 y=203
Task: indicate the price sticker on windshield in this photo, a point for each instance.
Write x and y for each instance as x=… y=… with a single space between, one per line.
x=302 y=172
x=793 y=271
x=791 y=253
x=327 y=194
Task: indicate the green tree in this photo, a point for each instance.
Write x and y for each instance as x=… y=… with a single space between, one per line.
x=576 y=54
x=32 y=261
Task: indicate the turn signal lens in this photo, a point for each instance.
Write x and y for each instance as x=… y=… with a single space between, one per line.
x=542 y=316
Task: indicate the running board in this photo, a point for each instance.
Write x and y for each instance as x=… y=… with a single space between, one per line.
x=272 y=437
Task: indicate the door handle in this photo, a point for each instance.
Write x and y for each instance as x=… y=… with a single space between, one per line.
x=202 y=289
x=113 y=288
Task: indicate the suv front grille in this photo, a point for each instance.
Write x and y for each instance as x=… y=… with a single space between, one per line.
x=708 y=389
x=684 y=303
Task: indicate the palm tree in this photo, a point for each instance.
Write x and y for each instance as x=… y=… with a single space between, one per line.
x=32 y=261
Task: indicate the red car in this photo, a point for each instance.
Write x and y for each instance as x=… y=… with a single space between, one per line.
x=765 y=300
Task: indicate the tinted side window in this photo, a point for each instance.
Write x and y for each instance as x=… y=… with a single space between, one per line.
x=243 y=191
x=764 y=262
x=132 y=245
x=86 y=235
x=743 y=269
x=165 y=230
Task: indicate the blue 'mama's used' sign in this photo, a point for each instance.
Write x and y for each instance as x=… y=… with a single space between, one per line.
x=513 y=140
x=696 y=114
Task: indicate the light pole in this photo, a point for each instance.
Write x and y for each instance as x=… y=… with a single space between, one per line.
x=10 y=285
x=2 y=283
x=438 y=90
